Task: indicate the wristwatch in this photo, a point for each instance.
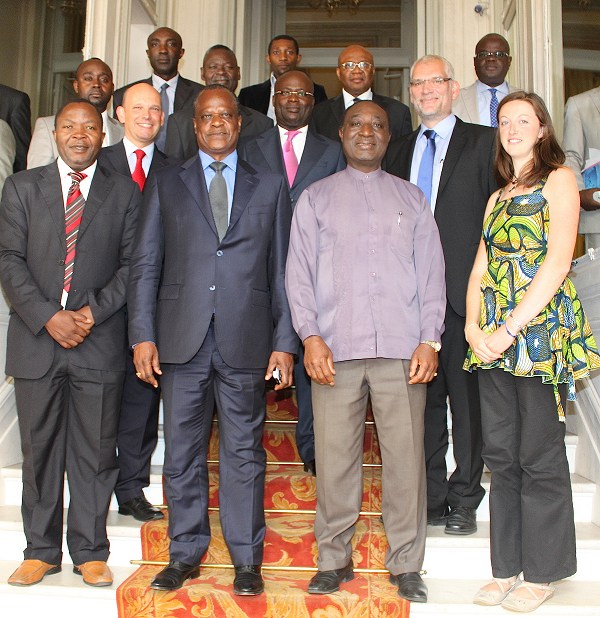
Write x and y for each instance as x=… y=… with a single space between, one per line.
x=434 y=344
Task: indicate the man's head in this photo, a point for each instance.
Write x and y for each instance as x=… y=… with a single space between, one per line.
x=492 y=59
x=78 y=133
x=165 y=49
x=94 y=82
x=220 y=67
x=432 y=89
x=293 y=100
x=283 y=54
x=365 y=135
x=217 y=121
x=355 y=69
x=141 y=113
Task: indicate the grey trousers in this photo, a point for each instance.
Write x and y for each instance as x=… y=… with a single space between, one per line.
x=339 y=417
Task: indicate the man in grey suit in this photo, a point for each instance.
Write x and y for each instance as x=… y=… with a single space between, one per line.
x=66 y=235
x=314 y=157
x=356 y=70
x=94 y=82
x=165 y=50
x=478 y=103
x=207 y=294
x=219 y=67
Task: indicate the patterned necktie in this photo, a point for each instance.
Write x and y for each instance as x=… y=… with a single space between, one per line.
x=73 y=214
x=493 y=108
x=425 y=177
x=289 y=157
x=217 y=195
x=161 y=138
x=138 y=173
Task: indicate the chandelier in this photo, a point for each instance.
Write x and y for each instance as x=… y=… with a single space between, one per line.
x=332 y=5
x=68 y=6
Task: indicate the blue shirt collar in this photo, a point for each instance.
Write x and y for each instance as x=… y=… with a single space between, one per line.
x=230 y=160
x=443 y=128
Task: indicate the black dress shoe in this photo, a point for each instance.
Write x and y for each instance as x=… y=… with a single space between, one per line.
x=140 y=509
x=410 y=587
x=310 y=466
x=437 y=518
x=326 y=582
x=248 y=580
x=462 y=520
x=173 y=576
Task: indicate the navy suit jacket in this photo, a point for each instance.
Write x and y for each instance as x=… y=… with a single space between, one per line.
x=257 y=96
x=181 y=273
x=327 y=116
x=15 y=110
x=466 y=183
x=321 y=158
x=114 y=158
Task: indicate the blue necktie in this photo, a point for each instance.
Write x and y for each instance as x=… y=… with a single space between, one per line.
x=493 y=108
x=425 y=177
x=161 y=138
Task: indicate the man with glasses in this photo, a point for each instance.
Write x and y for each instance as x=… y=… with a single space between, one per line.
x=451 y=161
x=478 y=103
x=356 y=71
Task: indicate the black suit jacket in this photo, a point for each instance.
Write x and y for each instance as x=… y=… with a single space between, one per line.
x=466 y=183
x=32 y=255
x=181 y=273
x=16 y=111
x=181 y=137
x=321 y=158
x=185 y=93
x=327 y=116
x=114 y=158
x=257 y=96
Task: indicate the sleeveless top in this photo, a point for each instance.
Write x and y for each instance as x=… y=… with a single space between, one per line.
x=557 y=345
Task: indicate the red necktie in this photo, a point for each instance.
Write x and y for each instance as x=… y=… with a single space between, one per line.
x=138 y=173
x=73 y=214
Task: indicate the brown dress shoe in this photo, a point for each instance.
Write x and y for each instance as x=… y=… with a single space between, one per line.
x=32 y=572
x=95 y=573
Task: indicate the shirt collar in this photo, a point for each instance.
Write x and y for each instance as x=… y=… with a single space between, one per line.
x=367 y=95
x=358 y=175
x=443 y=128
x=64 y=169
x=282 y=131
x=158 y=81
x=273 y=80
x=131 y=147
x=502 y=88
x=230 y=160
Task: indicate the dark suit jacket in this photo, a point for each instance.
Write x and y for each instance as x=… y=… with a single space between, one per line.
x=466 y=183
x=257 y=96
x=15 y=109
x=327 y=116
x=181 y=137
x=185 y=93
x=32 y=258
x=114 y=158
x=321 y=158
x=180 y=272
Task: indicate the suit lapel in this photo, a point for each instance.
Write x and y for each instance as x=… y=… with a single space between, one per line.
x=455 y=147
x=159 y=160
x=181 y=93
x=405 y=155
x=337 y=108
x=313 y=151
x=120 y=159
x=51 y=188
x=193 y=178
x=245 y=185
x=99 y=189
x=270 y=147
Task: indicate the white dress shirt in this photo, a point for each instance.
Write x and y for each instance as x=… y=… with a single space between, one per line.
x=157 y=83
x=367 y=95
x=298 y=142
x=130 y=149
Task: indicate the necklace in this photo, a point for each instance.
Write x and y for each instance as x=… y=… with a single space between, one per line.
x=515 y=182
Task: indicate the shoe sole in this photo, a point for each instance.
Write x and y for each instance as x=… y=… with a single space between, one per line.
x=52 y=571
x=347 y=578
x=249 y=593
x=527 y=611
x=96 y=585
x=460 y=532
x=192 y=575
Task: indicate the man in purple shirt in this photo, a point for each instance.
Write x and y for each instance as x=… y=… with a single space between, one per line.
x=366 y=288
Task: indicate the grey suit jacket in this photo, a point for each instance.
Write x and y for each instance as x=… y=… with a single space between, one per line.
x=32 y=256
x=42 y=149
x=8 y=151
x=466 y=105
x=15 y=110
x=321 y=158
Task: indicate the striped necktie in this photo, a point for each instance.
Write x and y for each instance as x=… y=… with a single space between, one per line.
x=73 y=214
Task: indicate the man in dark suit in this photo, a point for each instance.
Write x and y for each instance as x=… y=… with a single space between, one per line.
x=66 y=235
x=207 y=294
x=16 y=111
x=356 y=71
x=136 y=156
x=452 y=162
x=165 y=50
x=219 y=67
x=283 y=56
x=303 y=157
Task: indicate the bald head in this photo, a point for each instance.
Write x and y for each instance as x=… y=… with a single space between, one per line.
x=94 y=82
x=356 y=69
x=492 y=59
x=165 y=49
x=141 y=114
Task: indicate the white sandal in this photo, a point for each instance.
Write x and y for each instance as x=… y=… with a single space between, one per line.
x=495 y=597
x=516 y=603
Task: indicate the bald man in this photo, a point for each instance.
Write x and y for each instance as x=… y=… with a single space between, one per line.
x=94 y=82
x=356 y=70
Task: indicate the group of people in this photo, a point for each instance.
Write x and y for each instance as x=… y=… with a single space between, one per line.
x=321 y=242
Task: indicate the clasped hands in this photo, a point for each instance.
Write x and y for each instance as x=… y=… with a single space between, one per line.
x=70 y=328
x=486 y=347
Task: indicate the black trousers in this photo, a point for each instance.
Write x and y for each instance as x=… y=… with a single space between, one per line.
x=68 y=421
x=464 y=486
x=305 y=437
x=531 y=505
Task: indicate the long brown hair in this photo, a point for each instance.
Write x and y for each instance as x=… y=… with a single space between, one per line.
x=547 y=153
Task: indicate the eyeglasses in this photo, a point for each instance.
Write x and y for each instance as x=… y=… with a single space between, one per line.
x=434 y=81
x=299 y=93
x=363 y=66
x=482 y=55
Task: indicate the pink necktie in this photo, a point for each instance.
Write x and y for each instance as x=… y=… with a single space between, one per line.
x=289 y=157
